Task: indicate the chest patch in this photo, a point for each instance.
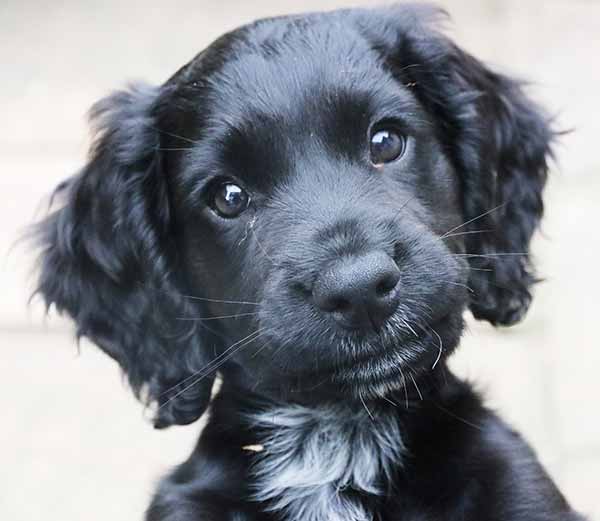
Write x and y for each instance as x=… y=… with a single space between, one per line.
x=316 y=462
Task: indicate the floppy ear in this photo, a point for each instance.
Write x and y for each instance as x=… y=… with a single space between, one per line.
x=108 y=262
x=503 y=147
x=499 y=141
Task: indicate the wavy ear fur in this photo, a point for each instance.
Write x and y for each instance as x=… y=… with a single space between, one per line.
x=107 y=261
x=500 y=142
x=504 y=148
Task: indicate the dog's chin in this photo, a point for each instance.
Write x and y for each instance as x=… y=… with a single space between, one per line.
x=393 y=367
x=374 y=366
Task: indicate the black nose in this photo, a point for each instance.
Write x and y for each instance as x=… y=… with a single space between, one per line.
x=359 y=291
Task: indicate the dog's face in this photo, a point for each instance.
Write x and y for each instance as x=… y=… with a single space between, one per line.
x=336 y=187
x=321 y=192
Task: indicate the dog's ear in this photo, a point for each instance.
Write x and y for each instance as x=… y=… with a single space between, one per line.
x=499 y=141
x=502 y=147
x=107 y=260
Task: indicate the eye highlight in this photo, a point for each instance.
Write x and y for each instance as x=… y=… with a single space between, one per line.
x=228 y=199
x=386 y=145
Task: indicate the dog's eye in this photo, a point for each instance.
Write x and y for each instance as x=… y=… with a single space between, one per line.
x=386 y=146
x=229 y=200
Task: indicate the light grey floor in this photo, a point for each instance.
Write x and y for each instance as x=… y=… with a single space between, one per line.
x=74 y=445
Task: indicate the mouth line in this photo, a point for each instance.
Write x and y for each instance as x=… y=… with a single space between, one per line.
x=365 y=347
x=392 y=366
x=372 y=365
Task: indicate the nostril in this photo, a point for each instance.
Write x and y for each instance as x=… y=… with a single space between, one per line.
x=386 y=286
x=387 y=283
x=359 y=291
x=337 y=304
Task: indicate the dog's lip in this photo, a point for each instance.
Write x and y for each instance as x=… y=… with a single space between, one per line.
x=385 y=362
x=404 y=340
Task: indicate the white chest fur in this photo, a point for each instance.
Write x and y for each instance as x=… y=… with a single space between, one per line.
x=315 y=459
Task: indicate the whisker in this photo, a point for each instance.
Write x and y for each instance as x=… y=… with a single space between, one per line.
x=403 y=206
x=416 y=386
x=472 y=220
x=260 y=246
x=205 y=319
x=407 y=325
x=389 y=401
x=318 y=384
x=441 y=348
x=365 y=406
x=489 y=255
x=450 y=413
x=221 y=359
x=446 y=235
x=260 y=349
x=501 y=286
x=219 y=301
x=166 y=133
x=193 y=297
x=277 y=351
x=459 y=284
x=196 y=373
x=172 y=149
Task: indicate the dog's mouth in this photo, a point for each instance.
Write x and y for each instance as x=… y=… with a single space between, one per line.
x=403 y=367
x=373 y=365
x=401 y=334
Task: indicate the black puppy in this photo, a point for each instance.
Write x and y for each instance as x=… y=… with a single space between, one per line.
x=308 y=207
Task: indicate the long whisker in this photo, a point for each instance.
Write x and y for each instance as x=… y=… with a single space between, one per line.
x=207 y=366
x=389 y=401
x=460 y=419
x=404 y=205
x=459 y=284
x=365 y=406
x=166 y=133
x=275 y=353
x=502 y=286
x=219 y=301
x=173 y=149
x=407 y=325
x=262 y=249
x=214 y=367
x=193 y=297
x=472 y=232
x=489 y=255
x=472 y=220
x=440 y=346
x=205 y=319
x=416 y=386
x=261 y=349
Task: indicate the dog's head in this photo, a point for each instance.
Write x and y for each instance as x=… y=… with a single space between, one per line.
x=310 y=203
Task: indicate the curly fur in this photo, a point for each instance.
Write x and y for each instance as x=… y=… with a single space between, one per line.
x=317 y=461
x=105 y=258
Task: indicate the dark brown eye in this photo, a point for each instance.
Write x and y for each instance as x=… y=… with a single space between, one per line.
x=229 y=200
x=386 y=146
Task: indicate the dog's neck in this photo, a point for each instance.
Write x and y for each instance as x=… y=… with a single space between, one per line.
x=321 y=462
x=312 y=390
x=321 y=458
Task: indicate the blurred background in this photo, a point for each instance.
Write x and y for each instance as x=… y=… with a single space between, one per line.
x=73 y=442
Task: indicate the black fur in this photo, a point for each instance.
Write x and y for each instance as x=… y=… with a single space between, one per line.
x=284 y=107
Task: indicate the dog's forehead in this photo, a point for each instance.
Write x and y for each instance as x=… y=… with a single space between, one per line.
x=284 y=69
x=275 y=95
